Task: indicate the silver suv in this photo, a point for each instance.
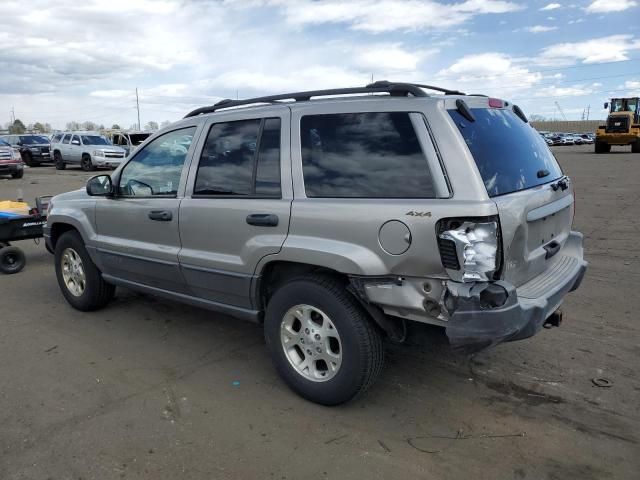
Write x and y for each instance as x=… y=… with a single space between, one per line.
x=335 y=222
x=89 y=150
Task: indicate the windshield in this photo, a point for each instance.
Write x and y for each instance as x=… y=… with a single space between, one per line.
x=33 y=140
x=94 y=140
x=510 y=155
x=617 y=105
x=138 y=138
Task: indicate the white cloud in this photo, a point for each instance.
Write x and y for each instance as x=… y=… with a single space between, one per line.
x=490 y=73
x=632 y=88
x=571 y=91
x=540 y=29
x=596 y=50
x=389 y=15
x=605 y=6
x=551 y=6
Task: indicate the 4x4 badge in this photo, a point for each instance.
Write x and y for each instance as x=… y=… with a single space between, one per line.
x=411 y=213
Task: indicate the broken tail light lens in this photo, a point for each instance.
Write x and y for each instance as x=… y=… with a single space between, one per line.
x=473 y=246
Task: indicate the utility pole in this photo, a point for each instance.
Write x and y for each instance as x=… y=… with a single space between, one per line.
x=588 y=110
x=564 y=117
x=138 y=108
x=13 y=115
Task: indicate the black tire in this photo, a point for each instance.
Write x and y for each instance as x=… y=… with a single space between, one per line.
x=27 y=158
x=601 y=147
x=18 y=174
x=12 y=260
x=86 y=164
x=361 y=344
x=57 y=160
x=635 y=147
x=97 y=293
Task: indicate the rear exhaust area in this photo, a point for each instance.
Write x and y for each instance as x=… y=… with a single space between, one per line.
x=554 y=320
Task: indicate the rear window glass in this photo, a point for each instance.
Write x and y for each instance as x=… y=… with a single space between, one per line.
x=363 y=155
x=509 y=153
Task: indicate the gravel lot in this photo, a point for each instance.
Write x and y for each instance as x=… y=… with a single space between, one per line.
x=151 y=389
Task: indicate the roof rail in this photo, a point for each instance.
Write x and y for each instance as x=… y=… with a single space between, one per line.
x=446 y=91
x=382 y=86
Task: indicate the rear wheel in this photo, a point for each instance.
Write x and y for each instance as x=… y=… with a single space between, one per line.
x=59 y=163
x=86 y=164
x=602 y=147
x=79 y=279
x=12 y=260
x=18 y=174
x=635 y=146
x=322 y=342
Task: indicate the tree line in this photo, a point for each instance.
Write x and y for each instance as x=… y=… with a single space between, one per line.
x=18 y=127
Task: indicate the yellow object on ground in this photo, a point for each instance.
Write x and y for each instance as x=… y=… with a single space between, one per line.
x=19 y=208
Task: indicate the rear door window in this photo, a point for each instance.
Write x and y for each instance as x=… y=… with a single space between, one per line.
x=241 y=158
x=510 y=154
x=364 y=155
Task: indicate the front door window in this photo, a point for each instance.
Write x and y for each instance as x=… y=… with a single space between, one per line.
x=156 y=170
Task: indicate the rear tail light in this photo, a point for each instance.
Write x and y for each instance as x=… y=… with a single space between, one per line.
x=470 y=248
x=496 y=103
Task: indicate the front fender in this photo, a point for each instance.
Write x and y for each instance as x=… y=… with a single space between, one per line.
x=77 y=214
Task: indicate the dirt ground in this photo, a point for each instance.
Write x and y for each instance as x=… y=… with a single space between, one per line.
x=150 y=389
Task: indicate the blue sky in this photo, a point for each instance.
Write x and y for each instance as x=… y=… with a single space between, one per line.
x=80 y=61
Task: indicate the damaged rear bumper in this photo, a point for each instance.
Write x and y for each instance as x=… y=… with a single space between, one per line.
x=474 y=324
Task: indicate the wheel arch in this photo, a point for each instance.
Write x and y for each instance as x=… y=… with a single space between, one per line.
x=276 y=272
x=60 y=228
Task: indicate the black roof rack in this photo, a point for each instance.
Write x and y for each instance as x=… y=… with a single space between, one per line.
x=382 y=86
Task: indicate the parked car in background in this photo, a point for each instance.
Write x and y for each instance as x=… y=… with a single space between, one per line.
x=587 y=138
x=128 y=141
x=33 y=148
x=566 y=139
x=10 y=161
x=335 y=223
x=89 y=150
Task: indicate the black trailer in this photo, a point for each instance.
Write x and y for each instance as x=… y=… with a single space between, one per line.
x=20 y=227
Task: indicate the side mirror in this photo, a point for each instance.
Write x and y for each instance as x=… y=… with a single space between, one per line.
x=75 y=142
x=100 y=186
x=606 y=105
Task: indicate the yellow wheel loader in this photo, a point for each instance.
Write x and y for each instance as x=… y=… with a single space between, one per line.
x=622 y=127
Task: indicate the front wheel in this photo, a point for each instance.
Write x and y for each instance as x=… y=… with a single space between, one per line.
x=322 y=342
x=18 y=174
x=601 y=147
x=635 y=147
x=86 y=164
x=79 y=279
x=27 y=159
